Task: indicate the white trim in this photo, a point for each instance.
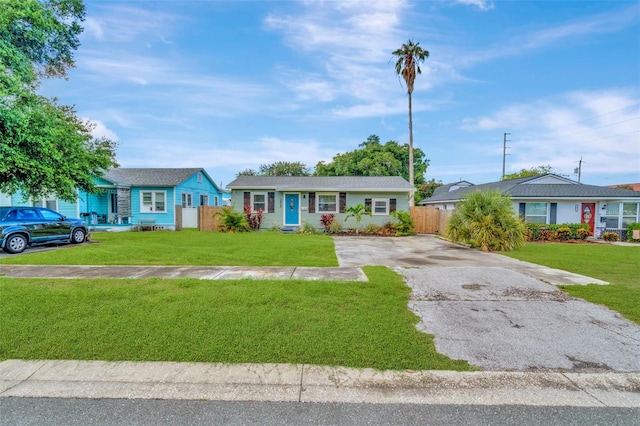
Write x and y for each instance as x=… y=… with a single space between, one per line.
x=186 y=199
x=380 y=200
x=253 y=198
x=150 y=209
x=319 y=194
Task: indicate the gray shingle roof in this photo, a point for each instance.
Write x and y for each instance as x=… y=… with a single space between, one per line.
x=150 y=176
x=523 y=188
x=323 y=183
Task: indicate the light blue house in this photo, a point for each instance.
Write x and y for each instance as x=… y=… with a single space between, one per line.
x=133 y=196
x=291 y=201
x=69 y=209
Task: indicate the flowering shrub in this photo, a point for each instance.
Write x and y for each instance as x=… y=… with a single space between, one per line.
x=253 y=219
x=610 y=236
x=326 y=220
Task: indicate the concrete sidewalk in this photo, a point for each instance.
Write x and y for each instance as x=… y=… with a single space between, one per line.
x=307 y=383
x=200 y=272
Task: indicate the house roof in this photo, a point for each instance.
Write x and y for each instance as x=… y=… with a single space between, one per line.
x=546 y=186
x=151 y=176
x=323 y=183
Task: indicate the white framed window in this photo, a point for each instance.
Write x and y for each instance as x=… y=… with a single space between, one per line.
x=380 y=206
x=187 y=200
x=204 y=199
x=199 y=177
x=153 y=202
x=535 y=213
x=629 y=214
x=327 y=203
x=48 y=202
x=258 y=201
x=612 y=214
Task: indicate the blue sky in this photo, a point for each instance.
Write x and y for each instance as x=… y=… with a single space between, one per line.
x=229 y=85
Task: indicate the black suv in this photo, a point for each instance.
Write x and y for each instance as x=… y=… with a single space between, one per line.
x=24 y=226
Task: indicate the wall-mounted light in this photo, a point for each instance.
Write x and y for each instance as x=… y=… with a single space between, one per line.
x=577 y=208
x=604 y=207
x=304 y=196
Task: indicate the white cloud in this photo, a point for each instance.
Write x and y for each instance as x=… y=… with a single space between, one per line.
x=94 y=27
x=480 y=4
x=602 y=127
x=100 y=130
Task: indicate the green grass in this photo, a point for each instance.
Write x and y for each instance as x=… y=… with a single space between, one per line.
x=190 y=247
x=619 y=265
x=352 y=324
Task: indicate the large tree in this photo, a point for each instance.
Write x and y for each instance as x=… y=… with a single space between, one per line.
x=375 y=159
x=284 y=168
x=408 y=59
x=45 y=148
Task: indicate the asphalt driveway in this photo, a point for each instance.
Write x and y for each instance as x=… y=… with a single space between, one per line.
x=499 y=313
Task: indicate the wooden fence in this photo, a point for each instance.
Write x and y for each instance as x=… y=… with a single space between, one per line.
x=206 y=219
x=430 y=220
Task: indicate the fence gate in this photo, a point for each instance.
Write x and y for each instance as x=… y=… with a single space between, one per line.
x=426 y=219
x=189 y=217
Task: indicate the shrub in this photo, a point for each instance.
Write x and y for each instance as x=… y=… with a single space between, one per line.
x=335 y=227
x=610 y=236
x=404 y=224
x=371 y=229
x=630 y=228
x=232 y=221
x=564 y=233
x=583 y=233
x=253 y=219
x=485 y=219
x=307 y=228
x=388 y=228
x=326 y=220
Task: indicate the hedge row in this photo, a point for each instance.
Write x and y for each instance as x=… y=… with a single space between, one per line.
x=557 y=232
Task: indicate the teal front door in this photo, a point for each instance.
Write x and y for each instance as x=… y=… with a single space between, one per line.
x=291 y=209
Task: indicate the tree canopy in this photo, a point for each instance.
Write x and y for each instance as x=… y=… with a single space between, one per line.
x=279 y=168
x=375 y=159
x=45 y=148
x=534 y=171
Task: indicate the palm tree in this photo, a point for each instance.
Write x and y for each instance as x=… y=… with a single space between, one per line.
x=408 y=58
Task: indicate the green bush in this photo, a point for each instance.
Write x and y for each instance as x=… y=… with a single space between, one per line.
x=583 y=233
x=404 y=224
x=232 y=221
x=335 y=227
x=610 y=236
x=485 y=219
x=554 y=231
x=630 y=229
x=307 y=228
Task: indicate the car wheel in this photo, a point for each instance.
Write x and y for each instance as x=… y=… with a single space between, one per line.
x=15 y=244
x=78 y=235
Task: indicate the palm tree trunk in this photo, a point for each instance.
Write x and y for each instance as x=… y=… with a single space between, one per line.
x=411 y=177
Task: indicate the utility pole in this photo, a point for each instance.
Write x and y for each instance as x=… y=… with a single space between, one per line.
x=504 y=153
x=578 y=170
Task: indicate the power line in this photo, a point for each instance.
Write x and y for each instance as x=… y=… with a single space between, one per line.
x=607 y=113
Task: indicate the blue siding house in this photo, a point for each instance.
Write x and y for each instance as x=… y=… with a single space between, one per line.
x=133 y=196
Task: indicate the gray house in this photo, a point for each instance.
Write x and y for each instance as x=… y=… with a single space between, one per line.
x=291 y=201
x=551 y=198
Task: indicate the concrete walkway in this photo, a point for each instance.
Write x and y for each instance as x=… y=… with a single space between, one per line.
x=307 y=383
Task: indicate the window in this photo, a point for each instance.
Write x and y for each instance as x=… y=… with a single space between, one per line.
x=215 y=201
x=259 y=202
x=50 y=215
x=327 y=203
x=535 y=213
x=187 y=200
x=612 y=214
x=152 y=202
x=629 y=214
x=50 y=203
x=199 y=177
x=114 y=202
x=204 y=200
x=380 y=207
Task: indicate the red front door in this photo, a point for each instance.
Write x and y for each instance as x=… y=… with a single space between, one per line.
x=588 y=215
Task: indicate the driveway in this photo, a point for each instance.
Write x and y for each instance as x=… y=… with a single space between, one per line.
x=499 y=313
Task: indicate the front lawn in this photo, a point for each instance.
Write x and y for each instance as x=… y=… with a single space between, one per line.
x=618 y=265
x=190 y=247
x=352 y=324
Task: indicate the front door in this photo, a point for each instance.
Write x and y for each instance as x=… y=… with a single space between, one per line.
x=291 y=209
x=588 y=213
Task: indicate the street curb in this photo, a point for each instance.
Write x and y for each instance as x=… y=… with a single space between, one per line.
x=310 y=383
